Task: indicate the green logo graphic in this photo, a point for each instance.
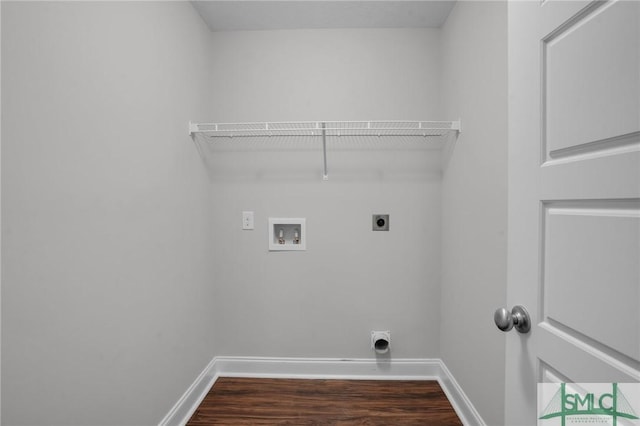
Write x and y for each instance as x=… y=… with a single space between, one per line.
x=565 y=404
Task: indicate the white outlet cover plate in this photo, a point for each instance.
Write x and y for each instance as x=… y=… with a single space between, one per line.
x=247 y=220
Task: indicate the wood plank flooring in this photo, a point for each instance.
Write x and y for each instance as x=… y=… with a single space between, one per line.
x=234 y=401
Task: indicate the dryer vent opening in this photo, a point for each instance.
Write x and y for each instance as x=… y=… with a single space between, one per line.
x=380 y=341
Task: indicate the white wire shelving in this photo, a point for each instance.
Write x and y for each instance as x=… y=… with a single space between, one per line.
x=430 y=131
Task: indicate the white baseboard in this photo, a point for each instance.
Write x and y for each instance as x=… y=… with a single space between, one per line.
x=327 y=368
x=458 y=399
x=182 y=410
x=322 y=368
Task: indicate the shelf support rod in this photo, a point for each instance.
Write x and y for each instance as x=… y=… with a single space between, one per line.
x=325 y=176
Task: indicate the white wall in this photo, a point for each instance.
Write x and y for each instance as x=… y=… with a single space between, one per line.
x=106 y=248
x=323 y=302
x=474 y=82
x=124 y=265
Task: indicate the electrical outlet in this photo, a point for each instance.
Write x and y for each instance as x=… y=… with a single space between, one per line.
x=380 y=222
x=247 y=220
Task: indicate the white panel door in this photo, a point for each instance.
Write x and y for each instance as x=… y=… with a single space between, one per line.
x=574 y=196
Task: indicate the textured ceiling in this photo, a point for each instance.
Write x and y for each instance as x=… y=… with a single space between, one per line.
x=275 y=15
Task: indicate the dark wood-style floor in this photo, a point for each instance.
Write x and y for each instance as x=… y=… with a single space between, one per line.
x=233 y=401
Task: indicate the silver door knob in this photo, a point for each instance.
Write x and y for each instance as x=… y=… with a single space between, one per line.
x=518 y=318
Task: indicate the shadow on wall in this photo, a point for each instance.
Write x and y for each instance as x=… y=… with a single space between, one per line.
x=352 y=159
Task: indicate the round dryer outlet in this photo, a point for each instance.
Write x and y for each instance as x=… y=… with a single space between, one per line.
x=380 y=222
x=380 y=341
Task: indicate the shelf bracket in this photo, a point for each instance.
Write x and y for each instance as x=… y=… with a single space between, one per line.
x=325 y=176
x=193 y=127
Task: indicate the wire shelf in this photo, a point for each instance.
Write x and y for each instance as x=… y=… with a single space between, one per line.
x=425 y=129
x=439 y=132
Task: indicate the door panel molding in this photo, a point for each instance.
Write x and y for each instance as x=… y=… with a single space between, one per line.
x=610 y=146
x=580 y=361
x=586 y=102
x=589 y=280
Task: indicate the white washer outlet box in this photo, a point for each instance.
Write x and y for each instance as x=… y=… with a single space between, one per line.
x=287 y=234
